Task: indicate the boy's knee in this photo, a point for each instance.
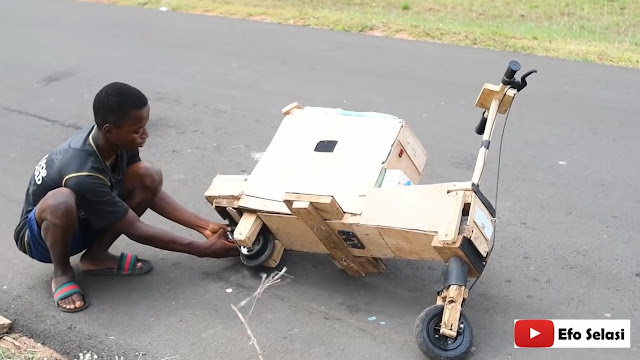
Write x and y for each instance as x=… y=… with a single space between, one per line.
x=149 y=177
x=59 y=204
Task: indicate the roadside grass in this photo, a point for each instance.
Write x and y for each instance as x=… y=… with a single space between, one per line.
x=9 y=354
x=600 y=31
x=17 y=347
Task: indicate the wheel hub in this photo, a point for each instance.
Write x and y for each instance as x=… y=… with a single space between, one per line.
x=253 y=249
x=260 y=251
x=442 y=341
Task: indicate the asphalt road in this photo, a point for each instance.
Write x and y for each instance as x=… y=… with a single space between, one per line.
x=568 y=200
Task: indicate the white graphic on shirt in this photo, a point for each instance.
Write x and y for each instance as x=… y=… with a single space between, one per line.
x=41 y=170
x=57 y=155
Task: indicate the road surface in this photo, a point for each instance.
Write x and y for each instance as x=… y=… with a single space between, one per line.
x=568 y=199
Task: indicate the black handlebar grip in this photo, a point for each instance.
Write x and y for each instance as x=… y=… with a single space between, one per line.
x=481 y=125
x=512 y=69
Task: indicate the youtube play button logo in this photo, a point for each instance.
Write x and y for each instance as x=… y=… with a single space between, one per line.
x=533 y=333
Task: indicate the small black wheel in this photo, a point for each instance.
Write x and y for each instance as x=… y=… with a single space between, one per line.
x=260 y=251
x=436 y=346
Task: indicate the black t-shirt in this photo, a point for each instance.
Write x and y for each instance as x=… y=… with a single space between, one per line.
x=77 y=166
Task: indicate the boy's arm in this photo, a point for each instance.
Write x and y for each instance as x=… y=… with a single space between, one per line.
x=170 y=209
x=167 y=207
x=104 y=209
x=138 y=231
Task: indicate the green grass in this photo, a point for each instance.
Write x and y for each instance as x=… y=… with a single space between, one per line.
x=601 y=31
x=7 y=354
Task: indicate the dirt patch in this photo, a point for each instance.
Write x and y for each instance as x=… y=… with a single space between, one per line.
x=259 y=18
x=403 y=35
x=398 y=35
x=17 y=347
x=99 y=1
x=375 y=32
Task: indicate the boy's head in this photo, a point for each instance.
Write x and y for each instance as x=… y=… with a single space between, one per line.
x=121 y=113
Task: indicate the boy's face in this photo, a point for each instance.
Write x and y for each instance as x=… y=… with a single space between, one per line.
x=132 y=134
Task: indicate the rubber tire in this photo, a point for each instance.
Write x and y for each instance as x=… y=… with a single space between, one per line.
x=269 y=245
x=428 y=348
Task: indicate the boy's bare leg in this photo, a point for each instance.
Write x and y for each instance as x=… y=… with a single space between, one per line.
x=141 y=185
x=57 y=218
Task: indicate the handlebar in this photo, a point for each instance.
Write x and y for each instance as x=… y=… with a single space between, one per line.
x=508 y=80
x=512 y=69
x=510 y=73
x=481 y=125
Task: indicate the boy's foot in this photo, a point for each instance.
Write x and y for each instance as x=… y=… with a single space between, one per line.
x=110 y=264
x=67 y=293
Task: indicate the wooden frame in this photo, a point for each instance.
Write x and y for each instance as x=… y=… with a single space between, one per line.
x=377 y=218
x=430 y=222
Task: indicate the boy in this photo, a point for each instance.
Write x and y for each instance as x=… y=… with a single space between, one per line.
x=94 y=188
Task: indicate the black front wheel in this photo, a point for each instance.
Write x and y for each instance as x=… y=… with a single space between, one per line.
x=436 y=346
x=260 y=251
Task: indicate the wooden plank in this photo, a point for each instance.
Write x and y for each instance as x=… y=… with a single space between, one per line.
x=5 y=324
x=226 y=187
x=221 y=202
x=413 y=147
x=247 y=229
x=379 y=241
x=327 y=206
x=234 y=214
x=409 y=244
x=475 y=213
x=274 y=260
x=336 y=247
x=257 y=204
x=427 y=208
x=287 y=110
x=490 y=92
x=296 y=236
x=452 y=299
x=400 y=160
x=483 y=224
x=374 y=244
x=479 y=240
x=372 y=264
x=448 y=229
x=459 y=186
x=448 y=250
x=293 y=233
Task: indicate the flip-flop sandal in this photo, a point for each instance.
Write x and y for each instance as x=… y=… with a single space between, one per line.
x=126 y=267
x=66 y=290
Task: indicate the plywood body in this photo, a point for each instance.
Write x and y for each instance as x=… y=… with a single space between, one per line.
x=291 y=163
x=315 y=201
x=420 y=222
x=325 y=152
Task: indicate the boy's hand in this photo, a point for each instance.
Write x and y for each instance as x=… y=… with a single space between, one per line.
x=213 y=228
x=217 y=246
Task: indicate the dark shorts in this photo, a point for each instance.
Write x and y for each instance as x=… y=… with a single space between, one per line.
x=37 y=248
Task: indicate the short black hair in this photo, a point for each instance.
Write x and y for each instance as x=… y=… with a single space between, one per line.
x=114 y=101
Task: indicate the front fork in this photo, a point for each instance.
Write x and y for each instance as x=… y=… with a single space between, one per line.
x=452 y=295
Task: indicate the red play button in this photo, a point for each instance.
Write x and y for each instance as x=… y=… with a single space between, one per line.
x=533 y=333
